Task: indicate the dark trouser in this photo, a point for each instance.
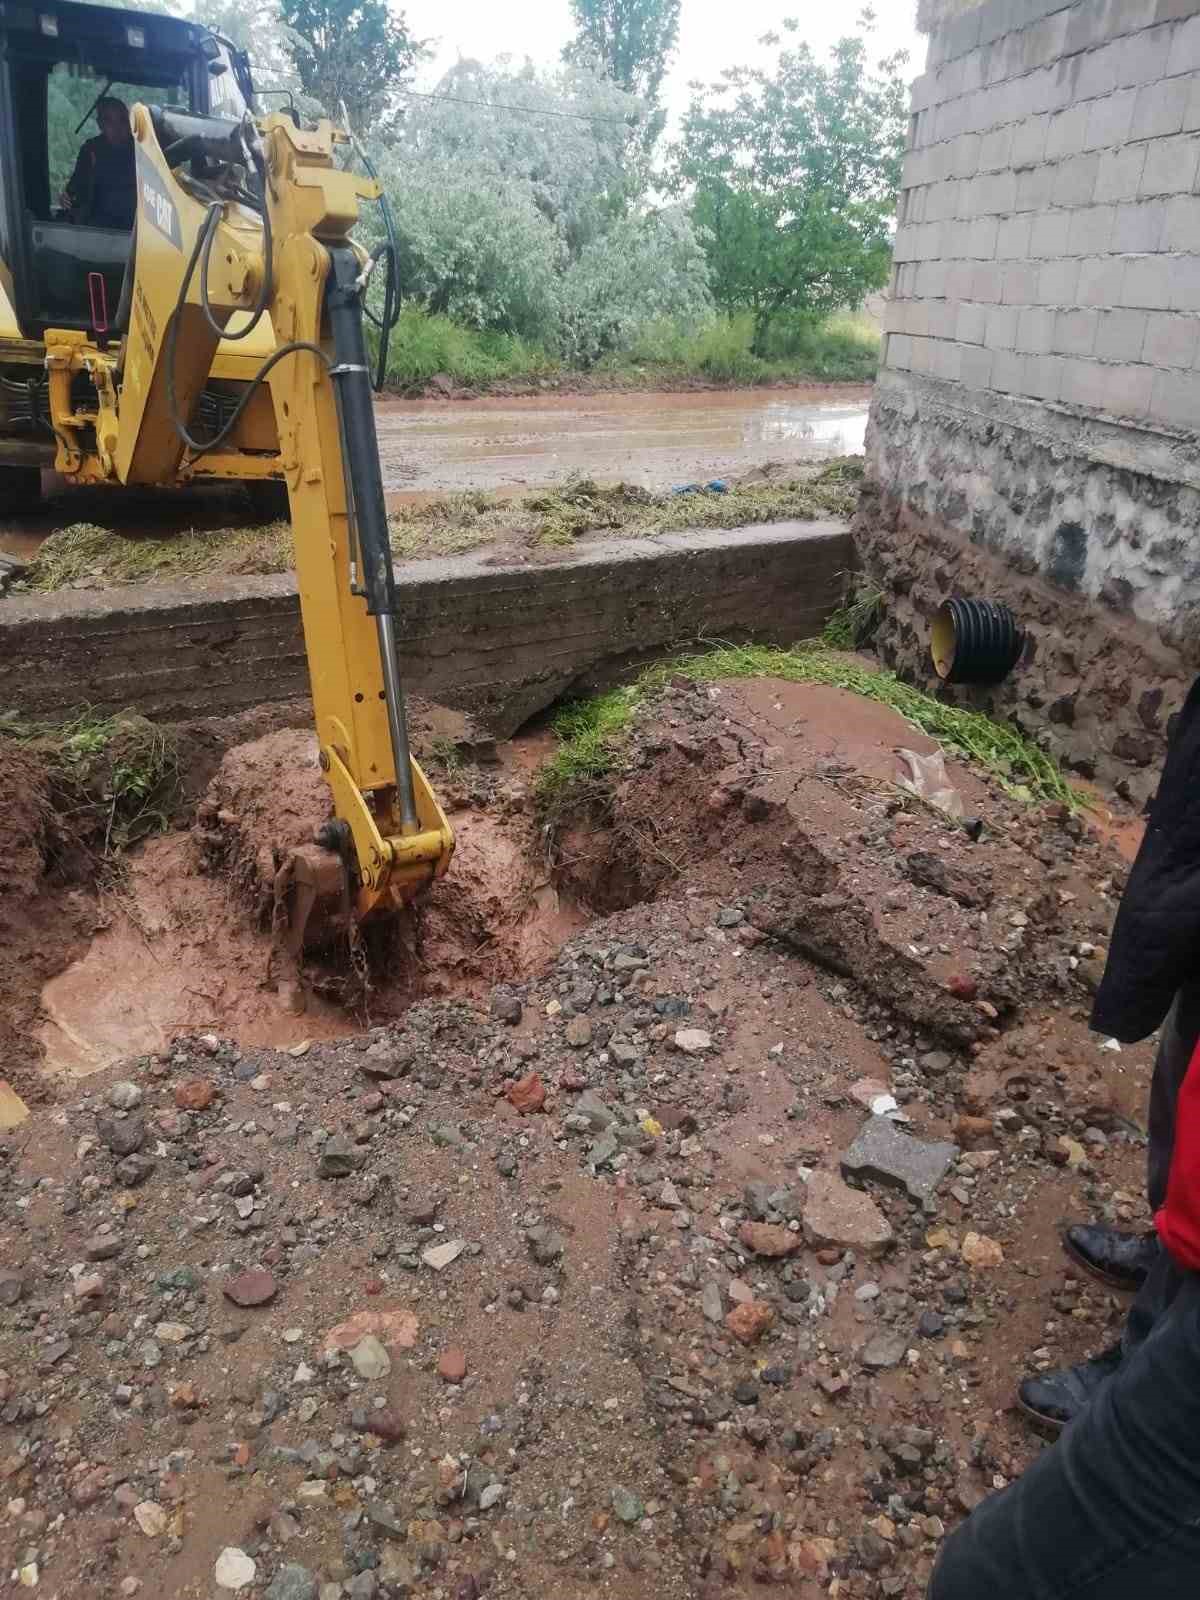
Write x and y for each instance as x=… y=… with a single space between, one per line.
x=1112 y=1511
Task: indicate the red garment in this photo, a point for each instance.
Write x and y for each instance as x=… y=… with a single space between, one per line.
x=1178 y=1219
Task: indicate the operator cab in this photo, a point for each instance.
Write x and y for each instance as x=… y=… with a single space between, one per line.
x=59 y=62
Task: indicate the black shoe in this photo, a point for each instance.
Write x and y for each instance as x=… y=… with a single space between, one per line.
x=1121 y=1260
x=1056 y=1398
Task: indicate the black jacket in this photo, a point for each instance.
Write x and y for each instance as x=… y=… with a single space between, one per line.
x=1155 y=946
x=103 y=188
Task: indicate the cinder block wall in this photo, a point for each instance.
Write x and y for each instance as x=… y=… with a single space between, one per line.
x=1035 y=429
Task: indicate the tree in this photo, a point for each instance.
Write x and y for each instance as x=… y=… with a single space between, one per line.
x=631 y=41
x=351 y=52
x=793 y=172
x=255 y=27
x=520 y=205
x=571 y=138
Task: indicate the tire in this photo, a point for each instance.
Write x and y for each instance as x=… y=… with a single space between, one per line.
x=20 y=490
x=268 y=499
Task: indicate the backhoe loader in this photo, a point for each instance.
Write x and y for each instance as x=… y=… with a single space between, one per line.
x=64 y=268
x=242 y=242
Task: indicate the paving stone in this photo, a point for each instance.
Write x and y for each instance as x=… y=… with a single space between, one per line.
x=882 y=1152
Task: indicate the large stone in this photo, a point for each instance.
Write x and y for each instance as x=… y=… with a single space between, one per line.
x=748 y=1321
x=234 y=1569
x=292 y=1583
x=884 y=1349
x=339 y=1158
x=882 y=1152
x=124 y=1136
x=370 y=1360
x=439 y=1256
x=527 y=1094
x=599 y=1115
x=837 y=1215
x=981 y=1252
x=253 y=1288
x=769 y=1239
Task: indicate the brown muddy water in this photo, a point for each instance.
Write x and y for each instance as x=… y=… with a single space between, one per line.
x=653 y=440
x=431 y=447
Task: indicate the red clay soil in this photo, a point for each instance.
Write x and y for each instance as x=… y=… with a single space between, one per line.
x=43 y=924
x=590 y=1259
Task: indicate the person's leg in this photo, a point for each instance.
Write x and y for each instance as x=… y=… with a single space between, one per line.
x=1112 y=1511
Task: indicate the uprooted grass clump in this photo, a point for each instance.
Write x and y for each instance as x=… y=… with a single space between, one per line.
x=87 y=554
x=108 y=781
x=594 y=733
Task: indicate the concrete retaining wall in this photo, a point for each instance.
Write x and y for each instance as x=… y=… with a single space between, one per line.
x=500 y=641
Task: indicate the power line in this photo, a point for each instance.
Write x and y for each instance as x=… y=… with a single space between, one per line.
x=524 y=111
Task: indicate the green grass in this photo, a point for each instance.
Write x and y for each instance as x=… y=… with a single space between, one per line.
x=111 y=779
x=424 y=345
x=843 y=349
x=854 y=623
x=85 y=553
x=593 y=733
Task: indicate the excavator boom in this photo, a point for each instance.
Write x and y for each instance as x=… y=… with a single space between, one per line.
x=237 y=222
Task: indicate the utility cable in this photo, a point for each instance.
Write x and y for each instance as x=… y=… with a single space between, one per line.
x=524 y=111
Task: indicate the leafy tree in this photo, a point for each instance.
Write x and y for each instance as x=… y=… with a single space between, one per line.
x=648 y=268
x=256 y=27
x=473 y=247
x=520 y=205
x=793 y=172
x=632 y=41
x=570 y=138
x=351 y=52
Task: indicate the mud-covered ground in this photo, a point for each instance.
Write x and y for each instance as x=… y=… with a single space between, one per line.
x=565 y=1279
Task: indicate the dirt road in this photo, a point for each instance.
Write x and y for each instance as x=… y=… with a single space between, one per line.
x=654 y=440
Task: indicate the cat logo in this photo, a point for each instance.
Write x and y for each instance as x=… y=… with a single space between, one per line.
x=156 y=204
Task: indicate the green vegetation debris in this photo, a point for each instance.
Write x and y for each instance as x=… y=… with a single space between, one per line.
x=85 y=554
x=594 y=733
x=853 y=624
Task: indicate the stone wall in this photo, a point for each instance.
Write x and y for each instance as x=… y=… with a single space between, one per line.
x=500 y=641
x=1034 y=435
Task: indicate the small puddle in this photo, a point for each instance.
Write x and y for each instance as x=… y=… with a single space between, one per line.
x=180 y=954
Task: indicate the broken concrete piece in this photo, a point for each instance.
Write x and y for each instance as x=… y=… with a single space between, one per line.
x=882 y=1152
x=835 y=1214
x=439 y=1256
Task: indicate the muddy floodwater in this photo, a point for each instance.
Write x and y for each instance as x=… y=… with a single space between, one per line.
x=653 y=440
x=432 y=447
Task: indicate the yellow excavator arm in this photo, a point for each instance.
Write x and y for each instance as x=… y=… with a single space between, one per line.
x=255 y=218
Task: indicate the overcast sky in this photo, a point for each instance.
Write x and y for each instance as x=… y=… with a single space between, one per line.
x=712 y=34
